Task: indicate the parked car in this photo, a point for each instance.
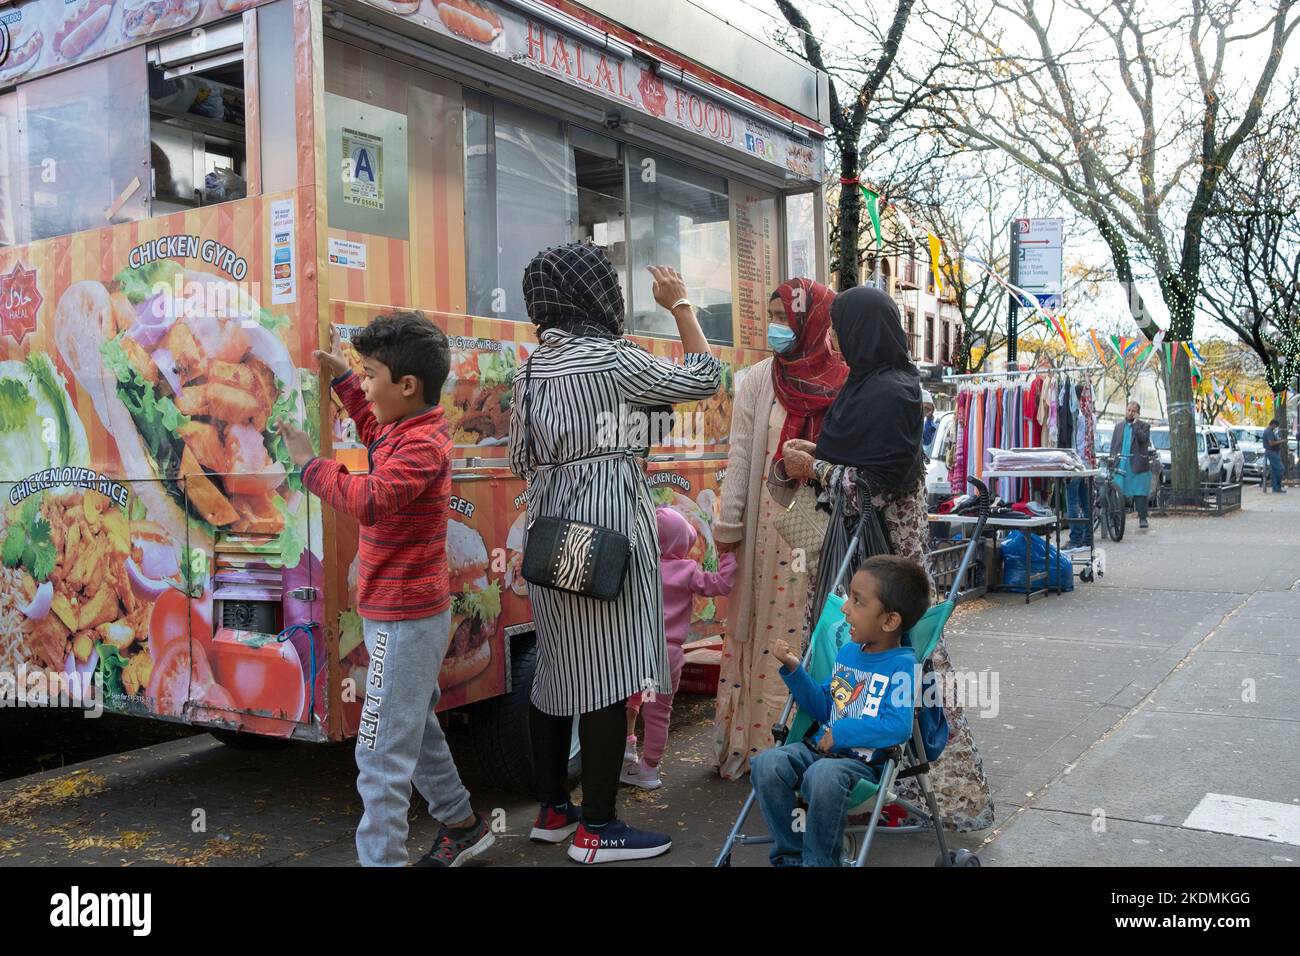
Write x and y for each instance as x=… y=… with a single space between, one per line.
x=1232 y=462
x=937 y=486
x=1208 y=456
x=1250 y=439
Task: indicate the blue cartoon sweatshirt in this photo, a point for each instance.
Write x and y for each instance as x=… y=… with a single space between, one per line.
x=868 y=702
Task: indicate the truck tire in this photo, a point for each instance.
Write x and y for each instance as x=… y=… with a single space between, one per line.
x=498 y=728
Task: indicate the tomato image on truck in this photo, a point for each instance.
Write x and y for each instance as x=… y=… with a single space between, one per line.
x=221 y=206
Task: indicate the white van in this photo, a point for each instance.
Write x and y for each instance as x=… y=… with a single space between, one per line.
x=937 y=487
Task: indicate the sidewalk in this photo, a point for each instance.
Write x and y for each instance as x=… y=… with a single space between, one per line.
x=1124 y=696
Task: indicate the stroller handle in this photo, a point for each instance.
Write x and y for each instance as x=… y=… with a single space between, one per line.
x=985 y=498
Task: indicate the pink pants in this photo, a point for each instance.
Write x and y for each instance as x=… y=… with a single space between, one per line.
x=656 y=713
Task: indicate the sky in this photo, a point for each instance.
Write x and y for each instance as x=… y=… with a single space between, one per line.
x=759 y=17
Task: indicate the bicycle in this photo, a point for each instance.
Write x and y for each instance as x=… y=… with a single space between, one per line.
x=1109 y=513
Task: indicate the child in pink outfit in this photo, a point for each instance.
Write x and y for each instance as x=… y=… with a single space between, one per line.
x=683 y=579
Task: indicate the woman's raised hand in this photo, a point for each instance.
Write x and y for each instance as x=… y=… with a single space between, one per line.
x=669 y=286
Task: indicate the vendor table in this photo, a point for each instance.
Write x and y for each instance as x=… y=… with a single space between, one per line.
x=1055 y=476
x=1041 y=526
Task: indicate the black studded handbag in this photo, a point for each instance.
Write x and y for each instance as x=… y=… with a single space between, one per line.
x=567 y=555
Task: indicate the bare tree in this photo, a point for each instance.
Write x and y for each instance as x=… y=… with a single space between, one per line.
x=1098 y=104
x=868 y=105
x=1252 y=252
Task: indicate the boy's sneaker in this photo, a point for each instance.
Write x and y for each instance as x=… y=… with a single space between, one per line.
x=554 y=825
x=617 y=841
x=454 y=847
x=641 y=775
x=629 y=752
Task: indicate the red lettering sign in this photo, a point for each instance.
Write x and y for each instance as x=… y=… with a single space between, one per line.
x=536 y=42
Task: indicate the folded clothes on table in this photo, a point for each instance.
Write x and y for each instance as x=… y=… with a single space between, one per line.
x=1032 y=459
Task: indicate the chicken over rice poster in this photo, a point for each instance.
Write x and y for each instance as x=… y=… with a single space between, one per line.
x=143 y=486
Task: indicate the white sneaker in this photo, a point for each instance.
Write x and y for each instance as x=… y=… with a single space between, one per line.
x=640 y=775
x=630 y=759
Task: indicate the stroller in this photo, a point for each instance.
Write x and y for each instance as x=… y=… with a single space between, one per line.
x=907 y=759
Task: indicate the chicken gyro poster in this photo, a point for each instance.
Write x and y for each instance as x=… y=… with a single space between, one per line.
x=154 y=538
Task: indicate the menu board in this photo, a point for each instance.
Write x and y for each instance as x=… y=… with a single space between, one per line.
x=757 y=261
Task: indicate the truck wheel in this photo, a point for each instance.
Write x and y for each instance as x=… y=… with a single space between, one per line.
x=498 y=728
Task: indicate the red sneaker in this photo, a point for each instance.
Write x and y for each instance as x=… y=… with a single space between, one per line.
x=554 y=826
x=893 y=815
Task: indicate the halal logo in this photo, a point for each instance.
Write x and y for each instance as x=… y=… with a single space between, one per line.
x=20 y=301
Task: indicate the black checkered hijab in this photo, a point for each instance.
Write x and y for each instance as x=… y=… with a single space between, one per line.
x=574 y=288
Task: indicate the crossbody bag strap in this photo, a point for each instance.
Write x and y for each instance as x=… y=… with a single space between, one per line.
x=529 y=459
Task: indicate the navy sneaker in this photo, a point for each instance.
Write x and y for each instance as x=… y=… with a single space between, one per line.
x=554 y=825
x=454 y=847
x=616 y=841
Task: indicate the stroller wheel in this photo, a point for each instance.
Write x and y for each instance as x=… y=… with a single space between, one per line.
x=958 y=858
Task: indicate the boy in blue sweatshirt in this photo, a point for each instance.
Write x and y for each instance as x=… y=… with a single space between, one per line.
x=866 y=705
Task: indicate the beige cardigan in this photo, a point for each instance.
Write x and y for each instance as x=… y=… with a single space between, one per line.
x=742 y=488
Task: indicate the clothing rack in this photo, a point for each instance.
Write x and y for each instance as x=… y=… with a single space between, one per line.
x=1055 y=369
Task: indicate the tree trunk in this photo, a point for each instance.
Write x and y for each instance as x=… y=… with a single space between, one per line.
x=1279 y=412
x=1185 y=470
x=846 y=264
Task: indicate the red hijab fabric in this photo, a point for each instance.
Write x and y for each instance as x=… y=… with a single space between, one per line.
x=807 y=376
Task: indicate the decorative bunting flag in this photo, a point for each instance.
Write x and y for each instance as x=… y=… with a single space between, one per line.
x=934 y=264
x=873 y=210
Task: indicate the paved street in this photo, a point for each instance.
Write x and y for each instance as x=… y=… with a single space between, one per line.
x=1120 y=708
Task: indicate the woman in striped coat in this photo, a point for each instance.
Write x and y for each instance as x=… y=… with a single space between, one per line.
x=586 y=398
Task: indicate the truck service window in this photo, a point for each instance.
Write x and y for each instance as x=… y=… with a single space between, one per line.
x=602 y=205
x=80 y=170
x=801 y=235
x=198 y=142
x=680 y=217
x=521 y=195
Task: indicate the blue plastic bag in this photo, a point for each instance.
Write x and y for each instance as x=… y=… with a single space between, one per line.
x=1059 y=568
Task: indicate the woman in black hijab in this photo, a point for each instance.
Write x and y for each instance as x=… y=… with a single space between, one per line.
x=873 y=433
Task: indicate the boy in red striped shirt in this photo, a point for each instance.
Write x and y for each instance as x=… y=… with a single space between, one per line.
x=403 y=598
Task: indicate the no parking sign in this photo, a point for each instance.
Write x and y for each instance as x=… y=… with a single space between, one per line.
x=363 y=181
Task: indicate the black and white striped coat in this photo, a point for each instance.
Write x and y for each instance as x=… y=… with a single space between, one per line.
x=594 y=653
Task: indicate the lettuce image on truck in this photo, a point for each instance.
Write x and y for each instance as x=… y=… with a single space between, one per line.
x=39 y=428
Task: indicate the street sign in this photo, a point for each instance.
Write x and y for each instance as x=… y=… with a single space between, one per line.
x=1037 y=266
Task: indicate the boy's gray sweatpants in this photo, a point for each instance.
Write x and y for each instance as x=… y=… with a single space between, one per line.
x=400 y=741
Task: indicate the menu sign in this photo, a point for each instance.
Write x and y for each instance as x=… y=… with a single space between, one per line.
x=757 y=261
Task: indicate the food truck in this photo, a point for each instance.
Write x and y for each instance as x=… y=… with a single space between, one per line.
x=193 y=192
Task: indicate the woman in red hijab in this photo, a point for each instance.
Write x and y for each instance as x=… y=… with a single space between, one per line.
x=780 y=398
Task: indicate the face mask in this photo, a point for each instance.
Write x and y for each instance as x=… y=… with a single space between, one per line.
x=780 y=337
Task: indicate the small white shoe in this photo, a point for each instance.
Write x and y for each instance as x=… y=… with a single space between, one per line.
x=630 y=759
x=640 y=775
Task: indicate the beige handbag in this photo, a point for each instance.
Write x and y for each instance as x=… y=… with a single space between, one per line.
x=803 y=527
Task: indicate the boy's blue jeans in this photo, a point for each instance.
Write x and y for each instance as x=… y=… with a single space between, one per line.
x=777 y=775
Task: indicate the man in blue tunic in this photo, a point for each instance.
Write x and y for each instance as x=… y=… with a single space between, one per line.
x=1130 y=459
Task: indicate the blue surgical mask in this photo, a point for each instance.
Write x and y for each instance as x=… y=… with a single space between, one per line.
x=780 y=337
